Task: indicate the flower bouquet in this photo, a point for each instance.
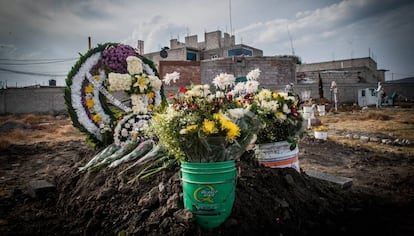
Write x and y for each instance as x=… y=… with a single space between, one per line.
x=278 y=111
x=321 y=132
x=276 y=144
x=206 y=132
x=205 y=126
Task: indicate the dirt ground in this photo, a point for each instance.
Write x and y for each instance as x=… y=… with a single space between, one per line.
x=268 y=201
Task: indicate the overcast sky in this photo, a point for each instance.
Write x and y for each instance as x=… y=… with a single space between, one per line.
x=315 y=30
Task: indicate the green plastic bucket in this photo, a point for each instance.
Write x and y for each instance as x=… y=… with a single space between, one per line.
x=209 y=191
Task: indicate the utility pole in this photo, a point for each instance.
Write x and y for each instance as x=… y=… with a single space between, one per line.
x=231 y=25
x=291 y=42
x=89 y=42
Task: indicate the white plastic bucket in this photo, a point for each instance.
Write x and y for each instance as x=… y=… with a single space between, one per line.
x=307 y=110
x=278 y=155
x=321 y=135
x=321 y=110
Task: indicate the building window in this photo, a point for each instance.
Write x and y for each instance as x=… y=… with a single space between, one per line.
x=191 y=56
x=373 y=93
x=215 y=56
x=239 y=52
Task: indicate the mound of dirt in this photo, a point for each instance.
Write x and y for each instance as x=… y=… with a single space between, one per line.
x=268 y=201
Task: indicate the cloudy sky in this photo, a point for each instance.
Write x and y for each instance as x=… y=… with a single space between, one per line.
x=42 y=39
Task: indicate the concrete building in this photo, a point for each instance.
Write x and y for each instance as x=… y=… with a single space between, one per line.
x=215 y=45
x=350 y=75
x=358 y=70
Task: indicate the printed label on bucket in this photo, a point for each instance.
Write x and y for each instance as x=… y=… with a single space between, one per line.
x=205 y=194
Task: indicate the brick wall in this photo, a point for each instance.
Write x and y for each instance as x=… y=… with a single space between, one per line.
x=189 y=72
x=276 y=71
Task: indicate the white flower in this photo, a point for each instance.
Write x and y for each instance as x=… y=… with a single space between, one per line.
x=286 y=109
x=201 y=91
x=237 y=113
x=283 y=94
x=134 y=65
x=239 y=88
x=119 y=82
x=254 y=74
x=270 y=105
x=124 y=132
x=155 y=82
x=220 y=94
x=264 y=94
x=171 y=77
x=292 y=98
x=142 y=83
x=224 y=81
x=251 y=86
x=138 y=105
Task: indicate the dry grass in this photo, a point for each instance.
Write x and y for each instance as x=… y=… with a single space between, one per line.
x=31 y=128
x=398 y=123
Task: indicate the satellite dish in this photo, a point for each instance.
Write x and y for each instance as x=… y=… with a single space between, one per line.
x=163 y=53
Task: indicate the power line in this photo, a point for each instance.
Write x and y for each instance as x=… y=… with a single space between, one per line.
x=32 y=73
x=55 y=59
x=33 y=63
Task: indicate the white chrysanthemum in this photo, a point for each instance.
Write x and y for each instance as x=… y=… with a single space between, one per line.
x=134 y=65
x=124 y=132
x=171 y=77
x=224 y=80
x=264 y=94
x=155 y=82
x=254 y=74
x=251 y=86
x=270 y=105
x=239 y=88
x=198 y=91
x=220 y=94
x=138 y=105
x=119 y=82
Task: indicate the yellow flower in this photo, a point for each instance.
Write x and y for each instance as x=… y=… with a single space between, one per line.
x=141 y=83
x=96 y=77
x=151 y=95
x=89 y=88
x=281 y=115
x=209 y=127
x=321 y=128
x=90 y=103
x=275 y=95
x=233 y=131
x=191 y=128
x=96 y=118
x=150 y=107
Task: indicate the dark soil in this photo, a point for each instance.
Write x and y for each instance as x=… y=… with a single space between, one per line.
x=268 y=201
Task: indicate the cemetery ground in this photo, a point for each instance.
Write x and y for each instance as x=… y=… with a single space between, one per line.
x=41 y=192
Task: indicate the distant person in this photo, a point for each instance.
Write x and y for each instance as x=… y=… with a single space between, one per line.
x=380 y=94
